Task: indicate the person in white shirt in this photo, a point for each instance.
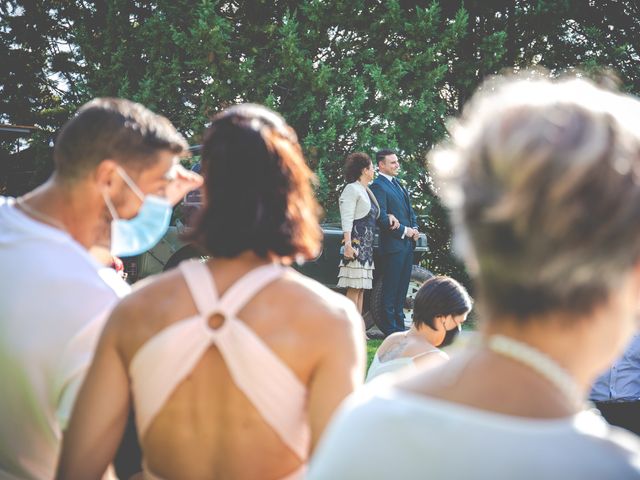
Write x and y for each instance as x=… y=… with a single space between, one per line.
x=114 y=185
x=541 y=177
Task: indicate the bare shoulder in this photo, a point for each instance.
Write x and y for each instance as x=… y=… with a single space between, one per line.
x=458 y=379
x=321 y=308
x=377 y=183
x=391 y=342
x=430 y=359
x=152 y=295
x=151 y=306
x=417 y=347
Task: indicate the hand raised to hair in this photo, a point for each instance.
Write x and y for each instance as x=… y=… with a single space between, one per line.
x=183 y=182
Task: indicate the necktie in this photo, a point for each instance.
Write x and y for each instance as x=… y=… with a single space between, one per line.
x=397 y=185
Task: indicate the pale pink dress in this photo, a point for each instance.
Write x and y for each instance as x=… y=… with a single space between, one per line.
x=164 y=361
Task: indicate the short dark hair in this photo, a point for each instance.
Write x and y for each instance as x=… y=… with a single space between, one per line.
x=381 y=154
x=114 y=128
x=354 y=164
x=440 y=295
x=258 y=188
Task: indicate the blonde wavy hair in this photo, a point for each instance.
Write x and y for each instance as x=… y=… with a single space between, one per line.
x=542 y=178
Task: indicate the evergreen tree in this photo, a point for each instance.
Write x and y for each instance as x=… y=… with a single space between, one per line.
x=347 y=75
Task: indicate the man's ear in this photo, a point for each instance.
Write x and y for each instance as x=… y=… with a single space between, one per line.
x=106 y=175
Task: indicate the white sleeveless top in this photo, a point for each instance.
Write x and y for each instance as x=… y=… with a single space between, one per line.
x=378 y=367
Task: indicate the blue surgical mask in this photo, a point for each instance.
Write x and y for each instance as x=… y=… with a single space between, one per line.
x=142 y=232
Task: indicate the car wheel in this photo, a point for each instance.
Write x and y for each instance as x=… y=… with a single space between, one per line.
x=182 y=254
x=419 y=275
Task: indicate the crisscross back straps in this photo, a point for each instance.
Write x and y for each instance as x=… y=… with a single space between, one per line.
x=163 y=362
x=205 y=294
x=201 y=285
x=244 y=289
x=269 y=383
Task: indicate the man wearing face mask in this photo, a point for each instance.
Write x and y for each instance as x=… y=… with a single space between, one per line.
x=116 y=179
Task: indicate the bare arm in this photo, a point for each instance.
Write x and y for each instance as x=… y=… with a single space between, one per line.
x=339 y=372
x=183 y=182
x=349 y=251
x=99 y=414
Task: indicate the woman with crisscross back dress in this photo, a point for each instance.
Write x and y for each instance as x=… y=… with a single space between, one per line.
x=235 y=365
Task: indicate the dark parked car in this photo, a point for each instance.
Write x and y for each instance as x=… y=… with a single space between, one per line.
x=171 y=250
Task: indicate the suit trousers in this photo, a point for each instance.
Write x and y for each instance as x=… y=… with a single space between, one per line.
x=622 y=414
x=396 y=275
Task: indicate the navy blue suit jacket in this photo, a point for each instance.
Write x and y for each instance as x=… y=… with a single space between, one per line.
x=395 y=201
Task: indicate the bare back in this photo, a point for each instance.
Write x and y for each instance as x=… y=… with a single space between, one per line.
x=208 y=426
x=401 y=345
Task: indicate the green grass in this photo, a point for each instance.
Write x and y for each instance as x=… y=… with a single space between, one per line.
x=372 y=346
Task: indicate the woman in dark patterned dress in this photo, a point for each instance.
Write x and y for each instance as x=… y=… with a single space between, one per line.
x=358 y=213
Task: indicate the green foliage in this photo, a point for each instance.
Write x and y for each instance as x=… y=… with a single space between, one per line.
x=372 y=348
x=347 y=75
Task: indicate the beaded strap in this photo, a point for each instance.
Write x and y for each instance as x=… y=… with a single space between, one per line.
x=540 y=363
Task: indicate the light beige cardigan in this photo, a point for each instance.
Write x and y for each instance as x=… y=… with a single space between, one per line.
x=355 y=203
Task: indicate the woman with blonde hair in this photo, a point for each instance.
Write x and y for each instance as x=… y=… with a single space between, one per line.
x=234 y=366
x=543 y=180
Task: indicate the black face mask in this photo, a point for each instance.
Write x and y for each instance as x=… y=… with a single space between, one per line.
x=449 y=337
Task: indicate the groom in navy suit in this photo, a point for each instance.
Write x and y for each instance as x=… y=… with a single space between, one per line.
x=396 y=245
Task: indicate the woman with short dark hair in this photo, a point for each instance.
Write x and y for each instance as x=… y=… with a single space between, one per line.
x=440 y=308
x=236 y=358
x=359 y=210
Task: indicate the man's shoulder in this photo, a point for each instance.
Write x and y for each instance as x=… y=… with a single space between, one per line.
x=55 y=305
x=56 y=280
x=378 y=184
